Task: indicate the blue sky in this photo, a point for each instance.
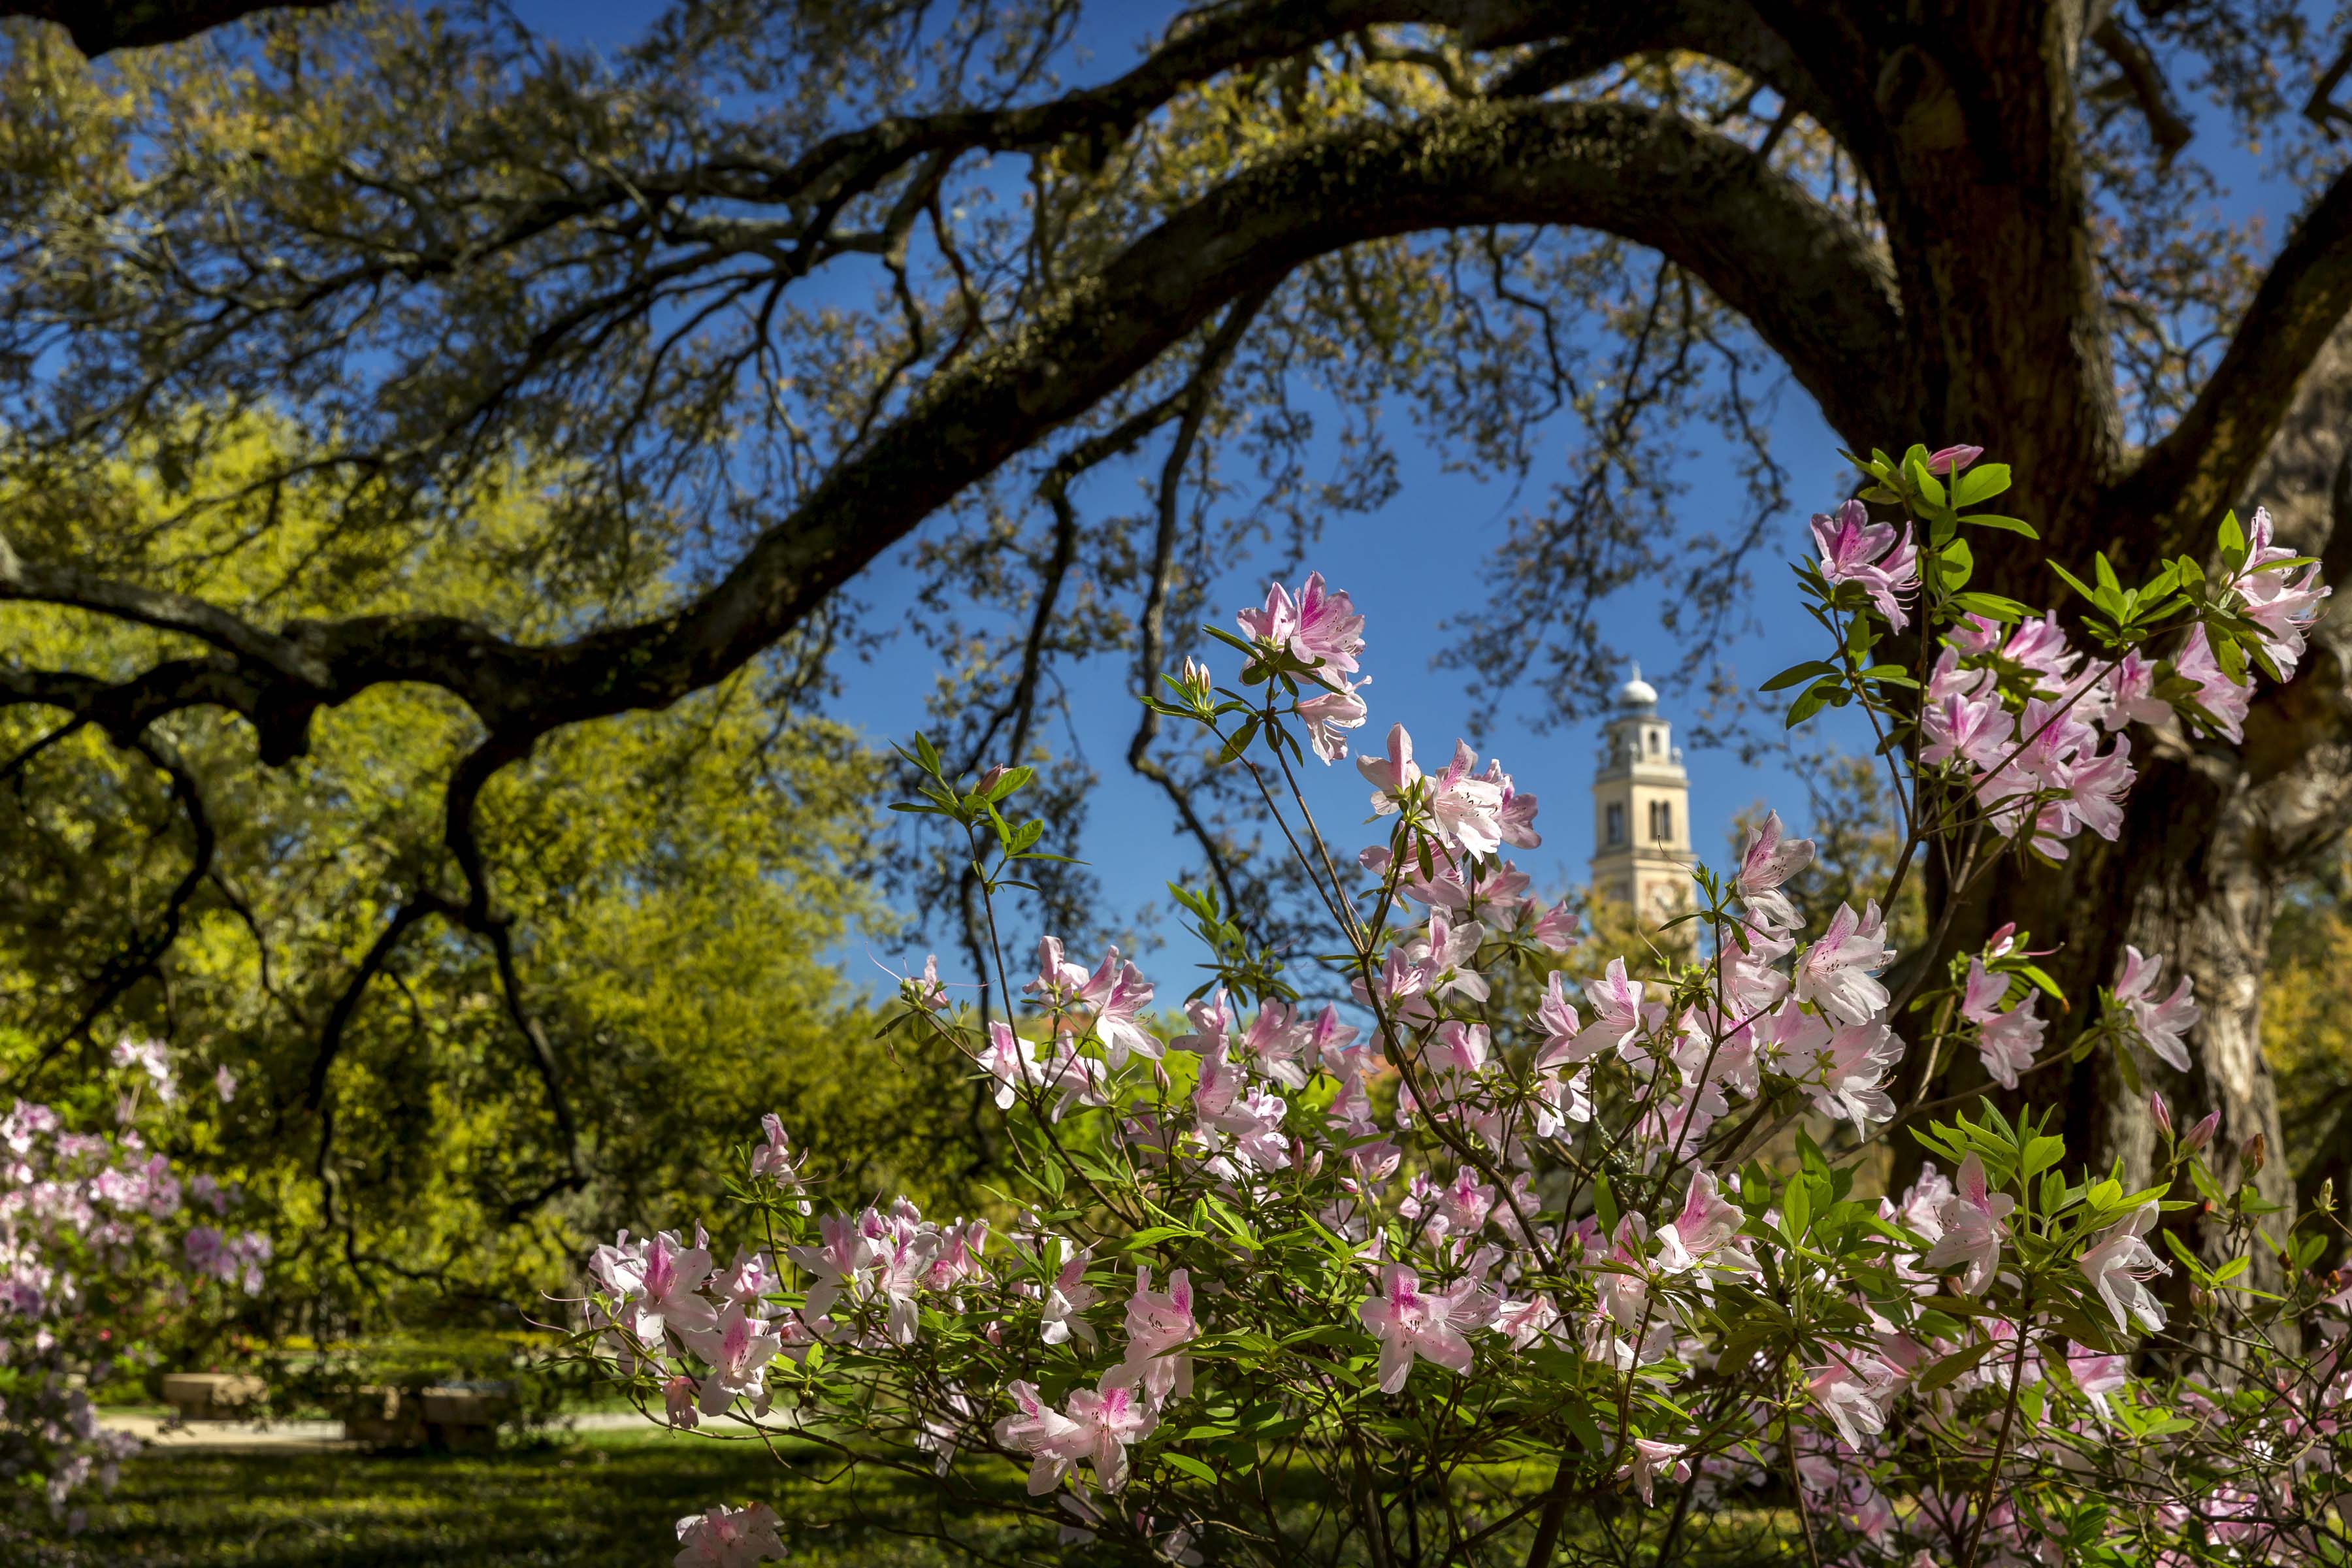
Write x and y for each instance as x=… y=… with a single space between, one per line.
x=1409 y=566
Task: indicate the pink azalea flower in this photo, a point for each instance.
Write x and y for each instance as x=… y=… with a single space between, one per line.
x=1329 y=716
x=2161 y=1025
x=738 y=1348
x=1445 y=956
x=928 y=991
x=1320 y=624
x=1855 y=549
x=1058 y=981
x=1853 y=1067
x=1838 y=972
x=774 y=1158
x=1466 y=808
x=2118 y=1266
x=2008 y=1043
x=1855 y=1397
x=1392 y=776
x=1563 y=1031
x=1974 y=1226
x=1410 y=1323
x=2220 y=696
x=679 y=1394
x=729 y=1538
x=833 y=1264
x=1769 y=860
x=2098 y=1375
x=2131 y=693
x=1100 y=1424
x=1068 y=1299
x=2281 y=608
x=1620 y=1012
x=1120 y=998
x=658 y=1279
x=1008 y=1061
x=1273 y=1043
x=1651 y=1458
x=1515 y=817
x=151 y=1057
x=1159 y=1323
x=1556 y=929
x=1531 y=1319
x=1708 y=1224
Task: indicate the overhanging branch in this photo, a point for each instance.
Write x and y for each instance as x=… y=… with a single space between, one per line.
x=2181 y=485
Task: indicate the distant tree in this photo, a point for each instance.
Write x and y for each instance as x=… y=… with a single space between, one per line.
x=780 y=284
x=412 y=1073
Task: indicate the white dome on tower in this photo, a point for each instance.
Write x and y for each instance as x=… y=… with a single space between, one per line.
x=1637 y=692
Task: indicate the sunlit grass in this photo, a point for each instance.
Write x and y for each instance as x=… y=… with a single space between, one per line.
x=598 y=1499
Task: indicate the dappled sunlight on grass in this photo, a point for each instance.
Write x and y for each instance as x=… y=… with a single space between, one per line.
x=608 y=1498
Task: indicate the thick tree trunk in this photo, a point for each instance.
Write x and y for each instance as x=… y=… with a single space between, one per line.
x=2213 y=835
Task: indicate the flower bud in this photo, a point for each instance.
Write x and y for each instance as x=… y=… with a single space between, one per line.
x=1951 y=458
x=988 y=780
x=2256 y=1150
x=2203 y=1133
x=1196 y=680
x=2163 y=1113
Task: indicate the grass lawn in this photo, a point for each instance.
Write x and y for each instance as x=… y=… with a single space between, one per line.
x=599 y=1501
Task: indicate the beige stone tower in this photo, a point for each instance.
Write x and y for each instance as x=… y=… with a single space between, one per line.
x=1640 y=808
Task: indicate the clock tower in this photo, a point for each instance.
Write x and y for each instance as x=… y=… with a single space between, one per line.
x=1641 y=809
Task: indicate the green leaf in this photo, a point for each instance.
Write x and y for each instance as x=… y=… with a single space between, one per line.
x=2006 y=524
x=1014 y=778
x=2041 y=1154
x=1993 y=606
x=1235 y=746
x=1956 y=564
x=1952 y=1365
x=1979 y=484
x=1814 y=699
x=2075 y=582
x=1189 y=1465
x=1797 y=673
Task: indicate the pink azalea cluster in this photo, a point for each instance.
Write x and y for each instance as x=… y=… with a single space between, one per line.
x=2035 y=727
x=1319 y=629
x=95 y=1227
x=1406 y=1155
x=1100 y=1423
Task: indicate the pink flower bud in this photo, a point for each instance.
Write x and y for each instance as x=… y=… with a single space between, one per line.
x=2203 y=1133
x=988 y=780
x=2157 y=1109
x=2255 y=1153
x=1953 y=459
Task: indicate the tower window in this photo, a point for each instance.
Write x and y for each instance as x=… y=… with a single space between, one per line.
x=1661 y=821
x=1657 y=743
x=1616 y=824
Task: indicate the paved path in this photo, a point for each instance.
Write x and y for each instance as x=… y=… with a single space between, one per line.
x=246 y=1434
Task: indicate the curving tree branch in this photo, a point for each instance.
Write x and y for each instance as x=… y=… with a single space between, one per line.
x=102 y=26
x=2185 y=480
x=1816 y=289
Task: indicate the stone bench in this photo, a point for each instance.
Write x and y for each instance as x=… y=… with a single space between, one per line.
x=464 y=1418
x=212 y=1395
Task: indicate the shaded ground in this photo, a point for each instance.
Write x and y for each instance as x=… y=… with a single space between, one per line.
x=600 y=1500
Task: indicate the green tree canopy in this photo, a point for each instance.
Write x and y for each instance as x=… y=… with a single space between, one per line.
x=458 y=1106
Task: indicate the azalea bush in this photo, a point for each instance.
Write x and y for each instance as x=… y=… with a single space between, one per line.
x=1472 y=1266
x=106 y=1246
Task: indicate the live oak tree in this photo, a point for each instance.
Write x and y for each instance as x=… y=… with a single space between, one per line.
x=449 y=1133
x=761 y=296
